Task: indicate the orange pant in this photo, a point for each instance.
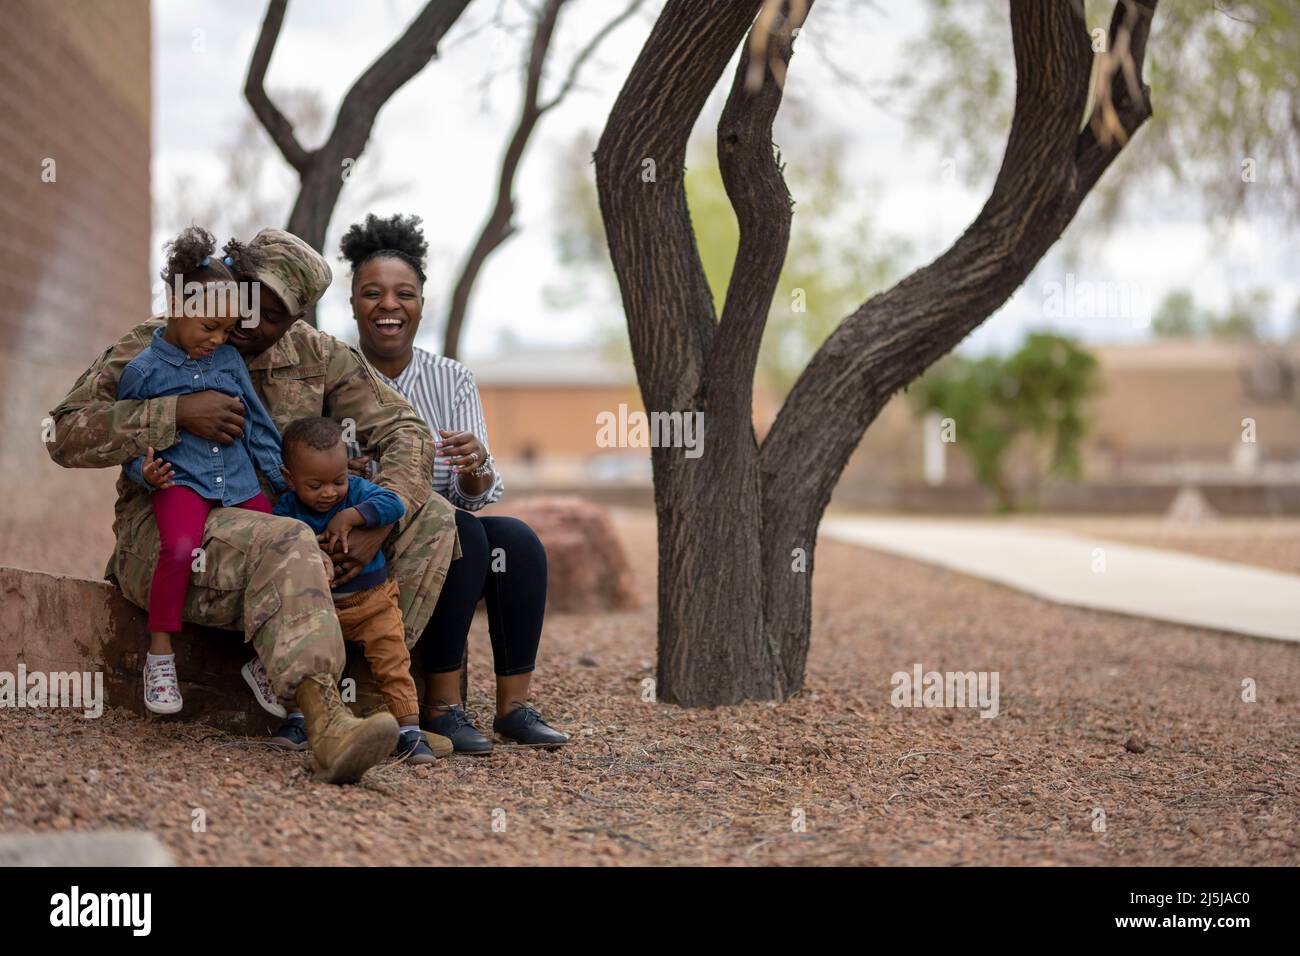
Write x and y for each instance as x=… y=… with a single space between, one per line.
x=371 y=618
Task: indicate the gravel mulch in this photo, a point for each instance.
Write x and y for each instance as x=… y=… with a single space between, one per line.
x=1102 y=718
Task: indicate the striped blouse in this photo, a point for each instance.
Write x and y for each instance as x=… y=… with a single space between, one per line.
x=443 y=392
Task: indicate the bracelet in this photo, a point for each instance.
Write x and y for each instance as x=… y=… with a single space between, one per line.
x=484 y=468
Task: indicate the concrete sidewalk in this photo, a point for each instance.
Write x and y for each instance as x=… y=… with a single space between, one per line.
x=1059 y=566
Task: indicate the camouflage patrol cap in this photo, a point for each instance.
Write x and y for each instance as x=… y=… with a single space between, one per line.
x=291 y=268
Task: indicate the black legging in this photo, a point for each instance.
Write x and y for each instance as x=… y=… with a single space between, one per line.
x=515 y=594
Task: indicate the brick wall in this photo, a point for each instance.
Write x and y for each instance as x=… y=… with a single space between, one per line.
x=75 y=89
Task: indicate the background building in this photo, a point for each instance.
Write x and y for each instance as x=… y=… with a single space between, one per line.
x=74 y=239
x=1169 y=414
x=541 y=406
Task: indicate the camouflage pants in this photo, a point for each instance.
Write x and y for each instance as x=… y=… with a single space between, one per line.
x=261 y=575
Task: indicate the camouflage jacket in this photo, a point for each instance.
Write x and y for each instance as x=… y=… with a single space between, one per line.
x=308 y=372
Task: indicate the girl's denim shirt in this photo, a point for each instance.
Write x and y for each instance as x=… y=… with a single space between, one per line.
x=215 y=471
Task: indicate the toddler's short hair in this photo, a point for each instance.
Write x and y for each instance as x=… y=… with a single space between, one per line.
x=319 y=433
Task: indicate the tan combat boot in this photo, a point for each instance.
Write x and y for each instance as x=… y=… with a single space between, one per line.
x=343 y=747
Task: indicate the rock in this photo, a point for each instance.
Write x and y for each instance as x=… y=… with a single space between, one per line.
x=84 y=849
x=586 y=660
x=587 y=569
x=1135 y=745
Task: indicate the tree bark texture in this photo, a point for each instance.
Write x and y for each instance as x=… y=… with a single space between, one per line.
x=736 y=524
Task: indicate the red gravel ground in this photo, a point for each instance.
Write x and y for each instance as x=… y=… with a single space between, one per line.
x=1138 y=720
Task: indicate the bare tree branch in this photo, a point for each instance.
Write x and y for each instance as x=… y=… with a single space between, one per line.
x=272 y=120
x=408 y=55
x=499 y=226
x=495 y=22
x=1048 y=167
x=587 y=51
x=762 y=56
x=322 y=171
x=1124 y=108
x=1115 y=59
x=892 y=338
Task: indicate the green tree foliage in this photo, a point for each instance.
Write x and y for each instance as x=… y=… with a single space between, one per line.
x=1225 y=73
x=1178 y=316
x=1036 y=394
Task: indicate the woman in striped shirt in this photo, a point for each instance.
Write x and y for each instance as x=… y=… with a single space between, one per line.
x=502 y=560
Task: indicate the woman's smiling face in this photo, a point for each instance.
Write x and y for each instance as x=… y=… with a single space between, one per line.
x=387 y=303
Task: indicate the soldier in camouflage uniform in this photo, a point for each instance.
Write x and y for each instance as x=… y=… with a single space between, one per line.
x=260 y=573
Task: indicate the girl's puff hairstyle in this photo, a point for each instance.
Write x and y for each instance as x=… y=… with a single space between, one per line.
x=397 y=237
x=192 y=256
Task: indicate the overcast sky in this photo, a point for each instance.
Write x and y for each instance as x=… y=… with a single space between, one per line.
x=438 y=142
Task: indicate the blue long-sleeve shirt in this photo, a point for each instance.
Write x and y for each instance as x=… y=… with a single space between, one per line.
x=219 y=472
x=378 y=506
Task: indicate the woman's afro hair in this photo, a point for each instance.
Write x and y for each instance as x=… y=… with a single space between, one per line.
x=396 y=237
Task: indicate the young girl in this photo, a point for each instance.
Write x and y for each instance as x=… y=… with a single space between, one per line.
x=194 y=475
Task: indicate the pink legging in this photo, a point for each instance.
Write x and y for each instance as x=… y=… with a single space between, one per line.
x=181 y=513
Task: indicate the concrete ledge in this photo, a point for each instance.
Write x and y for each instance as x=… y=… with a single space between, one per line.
x=52 y=622
x=55 y=623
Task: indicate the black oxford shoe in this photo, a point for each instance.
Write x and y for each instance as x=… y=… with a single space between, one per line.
x=454 y=724
x=524 y=725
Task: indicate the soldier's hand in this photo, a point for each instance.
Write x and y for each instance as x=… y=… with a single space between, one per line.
x=213 y=415
x=157 y=472
x=363 y=545
x=359 y=466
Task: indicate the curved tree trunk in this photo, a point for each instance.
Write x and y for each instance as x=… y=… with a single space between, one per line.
x=734 y=601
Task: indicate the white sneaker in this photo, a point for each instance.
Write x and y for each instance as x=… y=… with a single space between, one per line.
x=162 y=692
x=256 y=677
